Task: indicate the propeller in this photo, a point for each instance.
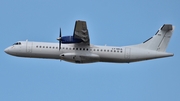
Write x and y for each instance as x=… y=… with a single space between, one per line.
x=59 y=39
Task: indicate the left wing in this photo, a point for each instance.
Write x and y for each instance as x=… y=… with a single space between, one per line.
x=81 y=32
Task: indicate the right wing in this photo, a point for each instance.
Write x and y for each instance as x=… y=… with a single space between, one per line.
x=81 y=32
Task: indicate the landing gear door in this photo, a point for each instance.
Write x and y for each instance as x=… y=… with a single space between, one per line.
x=29 y=47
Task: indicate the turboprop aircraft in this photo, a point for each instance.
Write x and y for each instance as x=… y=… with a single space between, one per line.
x=77 y=48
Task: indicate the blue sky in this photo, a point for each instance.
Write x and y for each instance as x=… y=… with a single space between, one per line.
x=110 y=22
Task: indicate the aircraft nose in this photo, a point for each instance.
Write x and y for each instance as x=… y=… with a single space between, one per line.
x=10 y=50
x=6 y=50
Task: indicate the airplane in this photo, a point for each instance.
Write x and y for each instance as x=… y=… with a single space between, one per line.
x=77 y=48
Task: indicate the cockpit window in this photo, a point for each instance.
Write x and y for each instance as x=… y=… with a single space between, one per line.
x=17 y=43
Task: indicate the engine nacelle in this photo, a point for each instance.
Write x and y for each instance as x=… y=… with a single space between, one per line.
x=70 y=39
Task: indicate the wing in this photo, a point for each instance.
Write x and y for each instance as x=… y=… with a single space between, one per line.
x=81 y=32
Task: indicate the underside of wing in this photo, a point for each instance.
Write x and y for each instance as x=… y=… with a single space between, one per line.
x=81 y=32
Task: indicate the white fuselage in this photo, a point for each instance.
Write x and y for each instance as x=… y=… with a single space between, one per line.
x=83 y=54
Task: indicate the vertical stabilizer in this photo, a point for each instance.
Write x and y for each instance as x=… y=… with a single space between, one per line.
x=160 y=40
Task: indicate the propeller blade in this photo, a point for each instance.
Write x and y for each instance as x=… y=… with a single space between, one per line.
x=59 y=44
x=60 y=33
x=60 y=39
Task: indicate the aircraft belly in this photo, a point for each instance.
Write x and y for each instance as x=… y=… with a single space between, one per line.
x=79 y=57
x=112 y=57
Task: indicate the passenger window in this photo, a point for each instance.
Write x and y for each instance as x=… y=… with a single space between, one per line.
x=73 y=48
x=56 y=47
x=36 y=46
x=83 y=48
x=46 y=46
x=97 y=49
x=39 y=46
x=87 y=49
x=43 y=46
x=76 y=48
x=94 y=49
x=107 y=50
x=104 y=50
x=69 y=48
x=79 y=48
x=50 y=47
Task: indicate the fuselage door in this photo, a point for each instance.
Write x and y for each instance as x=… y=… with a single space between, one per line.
x=127 y=53
x=28 y=47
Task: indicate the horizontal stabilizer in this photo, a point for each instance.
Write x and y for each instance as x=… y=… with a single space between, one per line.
x=167 y=27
